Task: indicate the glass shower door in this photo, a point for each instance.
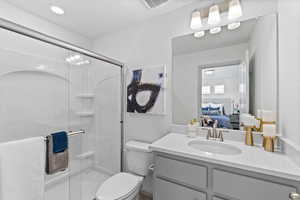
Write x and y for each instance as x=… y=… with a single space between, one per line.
x=45 y=89
x=34 y=93
x=95 y=99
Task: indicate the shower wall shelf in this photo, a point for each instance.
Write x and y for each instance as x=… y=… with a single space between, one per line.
x=86 y=155
x=86 y=96
x=86 y=114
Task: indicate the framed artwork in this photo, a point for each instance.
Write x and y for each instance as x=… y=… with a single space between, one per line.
x=146 y=90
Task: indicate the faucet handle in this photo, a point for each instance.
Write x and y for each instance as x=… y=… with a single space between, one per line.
x=208 y=134
x=221 y=136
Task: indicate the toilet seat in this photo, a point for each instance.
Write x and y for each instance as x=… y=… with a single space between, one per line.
x=119 y=187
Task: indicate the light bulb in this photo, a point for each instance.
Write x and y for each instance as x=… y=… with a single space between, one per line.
x=233 y=25
x=199 y=34
x=57 y=10
x=215 y=30
x=214 y=17
x=235 y=10
x=196 y=21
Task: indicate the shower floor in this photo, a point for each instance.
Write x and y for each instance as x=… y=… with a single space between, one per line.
x=82 y=186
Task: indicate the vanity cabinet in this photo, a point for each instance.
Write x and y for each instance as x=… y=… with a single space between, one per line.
x=170 y=191
x=179 y=178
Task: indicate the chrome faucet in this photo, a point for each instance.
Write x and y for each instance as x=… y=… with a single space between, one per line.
x=213 y=133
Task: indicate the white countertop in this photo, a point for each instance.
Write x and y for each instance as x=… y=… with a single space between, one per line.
x=252 y=158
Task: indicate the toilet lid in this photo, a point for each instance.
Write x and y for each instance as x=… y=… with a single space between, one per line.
x=118 y=186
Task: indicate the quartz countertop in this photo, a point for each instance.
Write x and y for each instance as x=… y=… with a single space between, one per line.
x=252 y=158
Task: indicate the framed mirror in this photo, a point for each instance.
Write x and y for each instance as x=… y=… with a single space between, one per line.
x=226 y=75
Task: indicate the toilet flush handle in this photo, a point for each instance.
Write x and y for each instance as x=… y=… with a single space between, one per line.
x=294 y=196
x=151 y=167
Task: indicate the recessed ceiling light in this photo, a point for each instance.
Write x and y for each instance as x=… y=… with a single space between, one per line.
x=234 y=25
x=57 y=10
x=199 y=34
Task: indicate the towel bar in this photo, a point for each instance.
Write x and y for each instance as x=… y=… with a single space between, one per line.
x=72 y=133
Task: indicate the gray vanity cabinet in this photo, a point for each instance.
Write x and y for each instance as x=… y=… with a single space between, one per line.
x=171 y=191
x=178 y=178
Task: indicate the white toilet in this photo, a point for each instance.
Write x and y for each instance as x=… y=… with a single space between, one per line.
x=126 y=186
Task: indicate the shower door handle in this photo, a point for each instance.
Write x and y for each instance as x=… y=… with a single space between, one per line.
x=71 y=133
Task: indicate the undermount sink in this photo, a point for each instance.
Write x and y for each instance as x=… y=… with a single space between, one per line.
x=213 y=147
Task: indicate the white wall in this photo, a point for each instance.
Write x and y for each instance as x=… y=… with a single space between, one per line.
x=186 y=74
x=18 y=16
x=149 y=44
x=289 y=69
x=263 y=56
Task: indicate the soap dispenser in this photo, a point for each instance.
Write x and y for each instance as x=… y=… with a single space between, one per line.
x=193 y=128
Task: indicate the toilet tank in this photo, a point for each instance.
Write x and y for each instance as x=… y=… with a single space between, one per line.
x=138 y=157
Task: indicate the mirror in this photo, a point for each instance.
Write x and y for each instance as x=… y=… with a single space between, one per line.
x=226 y=75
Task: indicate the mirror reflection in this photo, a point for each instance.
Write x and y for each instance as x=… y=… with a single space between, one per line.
x=226 y=77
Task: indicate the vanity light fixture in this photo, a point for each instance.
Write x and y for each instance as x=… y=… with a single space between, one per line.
x=57 y=10
x=199 y=34
x=196 y=21
x=214 y=17
x=235 y=10
x=234 y=25
x=215 y=30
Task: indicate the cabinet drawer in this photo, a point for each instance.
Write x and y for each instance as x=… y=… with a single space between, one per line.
x=170 y=191
x=217 y=198
x=248 y=188
x=182 y=172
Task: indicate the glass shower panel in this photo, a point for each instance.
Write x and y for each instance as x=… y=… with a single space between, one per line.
x=95 y=107
x=45 y=89
x=33 y=88
x=34 y=93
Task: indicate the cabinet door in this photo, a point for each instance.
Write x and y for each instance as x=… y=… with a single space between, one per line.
x=248 y=188
x=169 y=191
x=182 y=172
x=217 y=198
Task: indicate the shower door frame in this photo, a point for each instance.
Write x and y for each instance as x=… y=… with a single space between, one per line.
x=22 y=30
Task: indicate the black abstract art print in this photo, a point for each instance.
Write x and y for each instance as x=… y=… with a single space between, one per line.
x=149 y=90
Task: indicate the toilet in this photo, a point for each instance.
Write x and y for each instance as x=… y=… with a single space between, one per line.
x=126 y=185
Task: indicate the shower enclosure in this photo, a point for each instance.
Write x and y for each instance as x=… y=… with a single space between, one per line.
x=47 y=85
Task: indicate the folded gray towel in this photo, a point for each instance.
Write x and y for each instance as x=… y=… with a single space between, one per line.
x=55 y=162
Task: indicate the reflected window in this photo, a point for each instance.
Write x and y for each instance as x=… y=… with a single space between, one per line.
x=219 y=89
x=206 y=90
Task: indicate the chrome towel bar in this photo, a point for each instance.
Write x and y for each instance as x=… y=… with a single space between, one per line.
x=72 y=133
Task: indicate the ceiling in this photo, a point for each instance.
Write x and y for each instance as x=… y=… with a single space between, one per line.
x=92 y=18
x=188 y=43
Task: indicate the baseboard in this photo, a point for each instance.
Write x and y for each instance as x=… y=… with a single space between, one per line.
x=146 y=195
